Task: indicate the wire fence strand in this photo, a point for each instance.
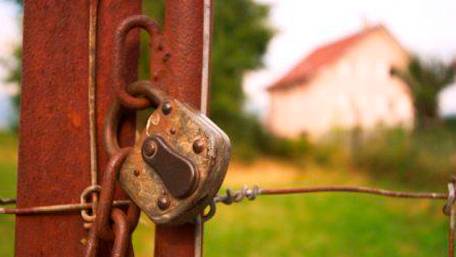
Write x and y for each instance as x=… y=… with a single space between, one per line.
x=56 y=208
x=251 y=194
x=353 y=189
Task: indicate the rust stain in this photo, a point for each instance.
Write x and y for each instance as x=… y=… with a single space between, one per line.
x=74 y=118
x=56 y=49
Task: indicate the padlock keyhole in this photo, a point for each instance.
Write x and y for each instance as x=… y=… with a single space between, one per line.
x=177 y=172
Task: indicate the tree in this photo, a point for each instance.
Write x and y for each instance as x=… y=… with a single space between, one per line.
x=14 y=71
x=15 y=76
x=426 y=79
x=241 y=35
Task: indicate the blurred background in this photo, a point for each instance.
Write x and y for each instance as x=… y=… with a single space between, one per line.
x=354 y=92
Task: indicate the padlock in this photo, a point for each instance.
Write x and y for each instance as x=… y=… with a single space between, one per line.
x=178 y=163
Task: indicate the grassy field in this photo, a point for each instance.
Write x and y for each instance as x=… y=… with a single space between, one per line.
x=8 y=159
x=318 y=225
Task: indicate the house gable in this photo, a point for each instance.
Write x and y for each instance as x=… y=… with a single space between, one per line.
x=327 y=55
x=354 y=89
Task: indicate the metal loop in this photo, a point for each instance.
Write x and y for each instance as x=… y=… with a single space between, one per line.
x=121 y=237
x=123 y=224
x=142 y=87
x=104 y=209
x=451 y=199
x=148 y=90
x=113 y=117
x=84 y=197
x=133 y=215
x=137 y=21
x=212 y=210
x=122 y=233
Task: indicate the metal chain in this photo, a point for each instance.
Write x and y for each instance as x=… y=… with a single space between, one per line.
x=123 y=224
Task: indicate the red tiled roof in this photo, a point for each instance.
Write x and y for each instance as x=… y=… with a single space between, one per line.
x=325 y=55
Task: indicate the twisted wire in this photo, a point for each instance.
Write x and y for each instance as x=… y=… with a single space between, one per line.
x=236 y=197
x=5 y=201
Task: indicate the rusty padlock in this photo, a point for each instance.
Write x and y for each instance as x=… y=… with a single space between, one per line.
x=178 y=163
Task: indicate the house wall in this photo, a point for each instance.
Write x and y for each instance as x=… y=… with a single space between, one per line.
x=356 y=90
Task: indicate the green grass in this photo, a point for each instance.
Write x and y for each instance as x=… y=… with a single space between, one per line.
x=327 y=225
x=8 y=159
x=332 y=225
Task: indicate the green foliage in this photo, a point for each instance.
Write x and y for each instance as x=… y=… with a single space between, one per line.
x=241 y=35
x=451 y=123
x=240 y=39
x=423 y=158
x=15 y=76
x=426 y=79
x=355 y=225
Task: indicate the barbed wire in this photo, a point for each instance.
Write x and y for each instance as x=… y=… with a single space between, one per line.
x=252 y=193
x=5 y=201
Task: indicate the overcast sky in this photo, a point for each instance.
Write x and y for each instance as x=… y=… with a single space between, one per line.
x=426 y=27
x=9 y=37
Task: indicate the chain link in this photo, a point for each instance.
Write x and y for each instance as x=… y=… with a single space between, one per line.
x=123 y=224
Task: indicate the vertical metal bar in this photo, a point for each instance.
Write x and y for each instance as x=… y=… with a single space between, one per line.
x=92 y=82
x=54 y=148
x=187 y=38
x=451 y=231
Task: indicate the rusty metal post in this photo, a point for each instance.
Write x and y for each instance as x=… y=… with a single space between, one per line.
x=54 y=149
x=185 y=59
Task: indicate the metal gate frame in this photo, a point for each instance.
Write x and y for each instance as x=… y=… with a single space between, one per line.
x=54 y=148
x=56 y=152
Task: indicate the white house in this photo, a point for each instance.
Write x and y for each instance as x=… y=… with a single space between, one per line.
x=345 y=84
x=447 y=101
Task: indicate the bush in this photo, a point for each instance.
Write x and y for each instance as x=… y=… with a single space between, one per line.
x=422 y=158
x=252 y=140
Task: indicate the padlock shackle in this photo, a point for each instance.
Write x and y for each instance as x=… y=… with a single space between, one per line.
x=148 y=90
x=144 y=88
x=120 y=58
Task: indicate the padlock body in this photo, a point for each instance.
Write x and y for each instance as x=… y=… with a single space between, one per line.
x=177 y=165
